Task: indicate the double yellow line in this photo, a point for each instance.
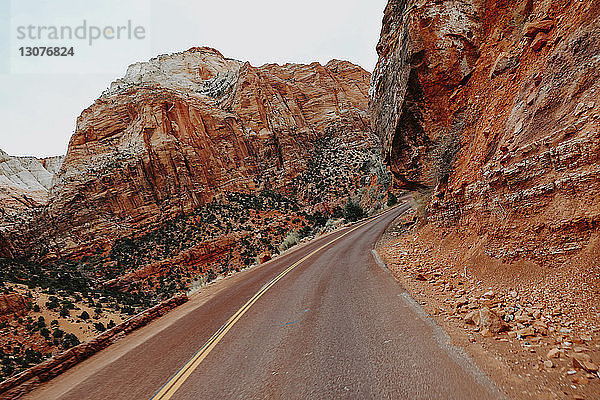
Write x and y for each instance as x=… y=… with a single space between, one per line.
x=169 y=389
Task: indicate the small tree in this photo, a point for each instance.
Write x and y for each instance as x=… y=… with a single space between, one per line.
x=52 y=303
x=392 y=199
x=290 y=240
x=99 y=326
x=45 y=332
x=84 y=316
x=353 y=211
x=70 y=340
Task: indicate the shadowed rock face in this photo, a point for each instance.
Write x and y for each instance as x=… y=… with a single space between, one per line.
x=179 y=131
x=426 y=51
x=493 y=108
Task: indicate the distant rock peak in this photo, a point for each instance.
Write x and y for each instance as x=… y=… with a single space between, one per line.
x=200 y=70
x=28 y=173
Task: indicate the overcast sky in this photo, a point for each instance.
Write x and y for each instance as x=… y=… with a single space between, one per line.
x=39 y=110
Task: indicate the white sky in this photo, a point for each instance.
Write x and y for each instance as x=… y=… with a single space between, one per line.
x=39 y=111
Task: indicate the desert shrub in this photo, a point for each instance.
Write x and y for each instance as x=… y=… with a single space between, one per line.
x=32 y=357
x=128 y=310
x=318 y=220
x=70 y=340
x=45 y=332
x=7 y=367
x=392 y=200
x=353 y=211
x=290 y=240
x=337 y=213
x=52 y=303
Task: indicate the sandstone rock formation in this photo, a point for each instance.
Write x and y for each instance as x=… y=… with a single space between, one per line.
x=24 y=186
x=190 y=166
x=12 y=304
x=25 y=182
x=195 y=132
x=491 y=110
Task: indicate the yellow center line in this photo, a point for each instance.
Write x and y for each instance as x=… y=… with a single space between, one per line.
x=169 y=389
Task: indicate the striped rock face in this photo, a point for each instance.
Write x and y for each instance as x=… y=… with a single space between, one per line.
x=185 y=130
x=24 y=185
x=492 y=111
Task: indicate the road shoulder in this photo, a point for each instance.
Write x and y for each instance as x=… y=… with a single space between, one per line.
x=515 y=365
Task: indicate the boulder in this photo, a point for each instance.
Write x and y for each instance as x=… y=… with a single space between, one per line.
x=12 y=304
x=539 y=41
x=490 y=320
x=584 y=361
x=264 y=257
x=531 y=29
x=553 y=353
x=472 y=318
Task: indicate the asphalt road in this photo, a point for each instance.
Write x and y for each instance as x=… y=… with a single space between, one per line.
x=336 y=325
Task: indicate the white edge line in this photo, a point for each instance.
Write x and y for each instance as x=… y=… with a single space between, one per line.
x=379 y=261
x=444 y=341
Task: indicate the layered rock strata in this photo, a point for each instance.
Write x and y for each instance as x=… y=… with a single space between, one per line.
x=183 y=131
x=491 y=111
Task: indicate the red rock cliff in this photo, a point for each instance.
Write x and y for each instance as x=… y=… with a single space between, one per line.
x=491 y=108
x=179 y=131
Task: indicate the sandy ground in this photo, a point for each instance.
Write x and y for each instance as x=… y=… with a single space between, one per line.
x=15 y=333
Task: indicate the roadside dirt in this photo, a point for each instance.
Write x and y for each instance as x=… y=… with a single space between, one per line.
x=531 y=334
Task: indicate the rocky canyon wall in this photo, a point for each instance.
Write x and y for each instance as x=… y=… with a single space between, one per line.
x=184 y=132
x=490 y=109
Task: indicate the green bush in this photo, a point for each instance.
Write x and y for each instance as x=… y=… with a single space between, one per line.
x=70 y=340
x=290 y=240
x=392 y=200
x=32 y=357
x=128 y=310
x=52 y=303
x=353 y=211
x=45 y=332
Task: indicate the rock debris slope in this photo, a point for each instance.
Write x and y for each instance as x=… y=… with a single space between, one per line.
x=489 y=112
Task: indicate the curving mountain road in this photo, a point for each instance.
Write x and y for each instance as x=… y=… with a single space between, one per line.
x=324 y=321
